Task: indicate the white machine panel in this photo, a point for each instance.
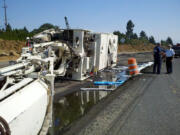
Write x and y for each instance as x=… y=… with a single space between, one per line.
x=78 y=36
x=107 y=50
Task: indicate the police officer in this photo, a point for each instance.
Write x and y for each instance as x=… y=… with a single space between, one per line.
x=169 y=57
x=157 y=59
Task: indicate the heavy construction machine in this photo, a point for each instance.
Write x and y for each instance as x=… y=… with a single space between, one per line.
x=27 y=85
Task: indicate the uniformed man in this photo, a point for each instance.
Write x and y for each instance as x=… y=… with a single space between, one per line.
x=157 y=59
x=169 y=57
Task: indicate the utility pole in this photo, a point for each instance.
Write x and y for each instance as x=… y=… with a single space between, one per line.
x=5 y=14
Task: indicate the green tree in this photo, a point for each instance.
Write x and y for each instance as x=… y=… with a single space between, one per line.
x=129 y=28
x=21 y=34
x=46 y=26
x=163 y=42
x=43 y=27
x=143 y=35
x=117 y=33
x=135 y=36
x=8 y=27
x=169 y=41
x=120 y=36
x=25 y=29
x=14 y=34
x=152 y=40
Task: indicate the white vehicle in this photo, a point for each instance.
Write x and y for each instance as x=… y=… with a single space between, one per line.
x=27 y=87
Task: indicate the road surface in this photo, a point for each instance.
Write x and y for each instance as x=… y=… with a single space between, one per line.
x=3 y=64
x=157 y=112
x=145 y=105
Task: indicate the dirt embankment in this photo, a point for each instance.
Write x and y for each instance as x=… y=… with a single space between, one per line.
x=135 y=48
x=10 y=50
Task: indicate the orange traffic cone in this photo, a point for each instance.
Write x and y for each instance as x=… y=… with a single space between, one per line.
x=133 y=68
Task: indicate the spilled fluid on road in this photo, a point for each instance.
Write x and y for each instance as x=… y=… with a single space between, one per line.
x=71 y=107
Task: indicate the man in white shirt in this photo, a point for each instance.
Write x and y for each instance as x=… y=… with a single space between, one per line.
x=169 y=57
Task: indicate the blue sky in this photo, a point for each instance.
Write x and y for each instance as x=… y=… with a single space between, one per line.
x=159 y=18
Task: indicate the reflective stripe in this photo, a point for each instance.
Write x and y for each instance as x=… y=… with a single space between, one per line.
x=133 y=70
x=132 y=65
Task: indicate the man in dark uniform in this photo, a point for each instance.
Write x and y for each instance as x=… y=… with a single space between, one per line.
x=157 y=59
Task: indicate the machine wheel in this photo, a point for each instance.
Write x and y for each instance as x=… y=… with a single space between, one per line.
x=4 y=127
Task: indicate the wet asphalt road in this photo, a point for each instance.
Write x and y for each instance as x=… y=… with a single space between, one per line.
x=145 y=105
